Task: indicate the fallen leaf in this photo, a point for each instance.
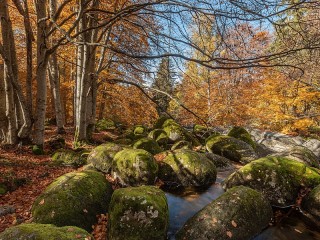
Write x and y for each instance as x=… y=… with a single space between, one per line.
x=41 y=202
x=297 y=230
x=229 y=234
x=85 y=210
x=234 y=223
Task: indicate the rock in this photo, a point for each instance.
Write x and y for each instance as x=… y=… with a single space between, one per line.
x=160 y=121
x=301 y=154
x=138 y=213
x=173 y=130
x=240 y=213
x=140 y=130
x=313 y=145
x=181 y=145
x=242 y=134
x=70 y=157
x=159 y=136
x=202 y=132
x=220 y=162
x=73 y=199
x=105 y=125
x=262 y=150
x=101 y=157
x=134 y=167
x=147 y=144
x=279 y=179
x=34 y=231
x=3 y=189
x=123 y=141
x=186 y=168
x=311 y=205
x=56 y=142
x=231 y=148
x=6 y=209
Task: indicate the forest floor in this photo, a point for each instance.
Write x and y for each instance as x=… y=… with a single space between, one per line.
x=27 y=175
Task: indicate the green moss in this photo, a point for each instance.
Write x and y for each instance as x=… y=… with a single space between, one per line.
x=139 y=130
x=73 y=199
x=37 y=150
x=181 y=145
x=70 y=157
x=147 y=144
x=240 y=213
x=101 y=157
x=187 y=168
x=134 y=167
x=3 y=189
x=138 y=213
x=280 y=179
x=242 y=134
x=105 y=124
x=160 y=121
x=44 y=232
x=159 y=136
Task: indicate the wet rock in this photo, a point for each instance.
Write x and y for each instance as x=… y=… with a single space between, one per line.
x=240 y=213
x=134 y=167
x=313 y=145
x=138 y=213
x=34 y=231
x=101 y=157
x=311 y=205
x=279 y=179
x=242 y=134
x=220 y=162
x=186 y=168
x=231 y=148
x=73 y=199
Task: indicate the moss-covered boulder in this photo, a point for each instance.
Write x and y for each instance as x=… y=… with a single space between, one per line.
x=140 y=130
x=279 y=179
x=202 y=132
x=240 y=213
x=138 y=213
x=181 y=145
x=73 y=199
x=311 y=205
x=231 y=148
x=220 y=162
x=173 y=130
x=242 y=134
x=160 y=121
x=105 y=124
x=37 y=150
x=147 y=144
x=160 y=136
x=186 y=168
x=301 y=154
x=101 y=157
x=33 y=231
x=3 y=189
x=134 y=167
x=56 y=142
x=70 y=157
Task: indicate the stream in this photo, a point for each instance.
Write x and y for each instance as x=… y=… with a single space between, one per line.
x=185 y=203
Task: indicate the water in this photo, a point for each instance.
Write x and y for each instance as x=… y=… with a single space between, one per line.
x=184 y=204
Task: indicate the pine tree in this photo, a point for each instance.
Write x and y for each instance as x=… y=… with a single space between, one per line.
x=163 y=85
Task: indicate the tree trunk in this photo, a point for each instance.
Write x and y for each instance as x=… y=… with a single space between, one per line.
x=42 y=62
x=55 y=89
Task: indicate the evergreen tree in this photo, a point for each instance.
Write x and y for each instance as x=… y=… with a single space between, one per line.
x=163 y=84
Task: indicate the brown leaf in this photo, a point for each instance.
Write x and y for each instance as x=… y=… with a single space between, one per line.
x=234 y=223
x=229 y=234
x=41 y=202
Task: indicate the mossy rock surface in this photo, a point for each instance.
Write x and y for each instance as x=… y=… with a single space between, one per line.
x=220 y=162
x=174 y=131
x=301 y=154
x=3 y=189
x=73 y=199
x=186 y=168
x=279 y=179
x=105 y=125
x=181 y=145
x=35 y=231
x=134 y=167
x=240 y=214
x=147 y=144
x=231 y=148
x=70 y=157
x=160 y=136
x=101 y=157
x=138 y=213
x=140 y=130
x=37 y=150
x=242 y=134
x=311 y=205
x=160 y=121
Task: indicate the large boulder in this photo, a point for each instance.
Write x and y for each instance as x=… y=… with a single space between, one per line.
x=173 y=130
x=186 y=168
x=181 y=145
x=313 y=145
x=134 y=167
x=242 y=134
x=73 y=199
x=311 y=205
x=240 y=213
x=220 y=162
x=148 y=144
x=279 y=179
x=231 y=148
x=69 y=157
x=101 y=157
x=202 y=132
x=138 y=213
x=301 y=154
x=34 y=231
